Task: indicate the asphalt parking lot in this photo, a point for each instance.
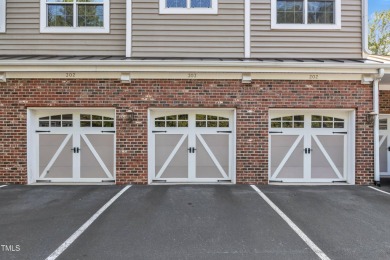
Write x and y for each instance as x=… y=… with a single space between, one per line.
x=194 y=222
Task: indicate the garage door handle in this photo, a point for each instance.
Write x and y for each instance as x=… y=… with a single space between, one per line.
x=76 y=149
x=192 y=149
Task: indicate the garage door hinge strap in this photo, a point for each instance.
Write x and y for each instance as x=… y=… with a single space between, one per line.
x=159 y=132
x=344 y=133
x=40 y=131
x=229 y=132
x=273 y=132
x=113 y=132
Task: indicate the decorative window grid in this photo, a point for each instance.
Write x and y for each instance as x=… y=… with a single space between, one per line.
x=87 y=120
x=172 y=121
x=211 y=121
x=318 y=121
x=65 y=120
x=296 y=121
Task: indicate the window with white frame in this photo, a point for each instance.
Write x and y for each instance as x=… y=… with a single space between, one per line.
x=75 y=16
x=306 y=14
x=188 y=6
x=2 y=15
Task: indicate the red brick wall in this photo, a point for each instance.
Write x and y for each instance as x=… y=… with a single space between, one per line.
x=384 y=101
x=252 y=128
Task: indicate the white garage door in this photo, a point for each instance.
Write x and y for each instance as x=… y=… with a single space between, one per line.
x=308 y=146
x=74 y=146
x=191 y=146
x=384 y=145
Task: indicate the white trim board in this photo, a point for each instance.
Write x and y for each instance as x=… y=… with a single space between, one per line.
x=129 y=27
x=247 y=28
x=3 y=16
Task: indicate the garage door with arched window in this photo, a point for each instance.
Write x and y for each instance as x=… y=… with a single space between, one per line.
x=191 y=146
x=73 y=146
x=309 y=146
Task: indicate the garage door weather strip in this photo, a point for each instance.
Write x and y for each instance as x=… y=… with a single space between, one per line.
x=81 y=230
x=294 y=227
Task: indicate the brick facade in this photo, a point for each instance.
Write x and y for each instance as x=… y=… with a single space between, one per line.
x=384 y=101
x=251 y=100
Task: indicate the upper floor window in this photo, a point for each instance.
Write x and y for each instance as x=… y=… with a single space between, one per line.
x=75 y=16
x=2 y=16
x=306 y=14
x=188 y=6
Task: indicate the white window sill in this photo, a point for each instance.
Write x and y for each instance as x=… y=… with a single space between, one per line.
x=306 y=26
x=74 y=30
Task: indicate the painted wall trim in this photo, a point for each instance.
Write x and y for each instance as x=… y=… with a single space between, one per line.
x=240 y=66
x=3 y=15
x=270 y=74
x=365 y=50
x=377 y=78
x=129 y=24
x=247 y=28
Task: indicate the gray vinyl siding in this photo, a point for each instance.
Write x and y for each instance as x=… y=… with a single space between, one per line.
x=269 y=43
x=175 y=35
x=23 y=33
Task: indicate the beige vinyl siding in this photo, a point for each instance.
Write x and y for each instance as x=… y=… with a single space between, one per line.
x=271 y=43
x=177 y=35
x=23 y=37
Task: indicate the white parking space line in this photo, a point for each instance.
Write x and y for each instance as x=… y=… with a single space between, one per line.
x=379 y=190
x=2 y=186
x=78 y=232
x=297 y=230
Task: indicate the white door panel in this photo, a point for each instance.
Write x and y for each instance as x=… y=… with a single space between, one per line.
x=175 y=165
x=60 y=163
x=287 y=157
